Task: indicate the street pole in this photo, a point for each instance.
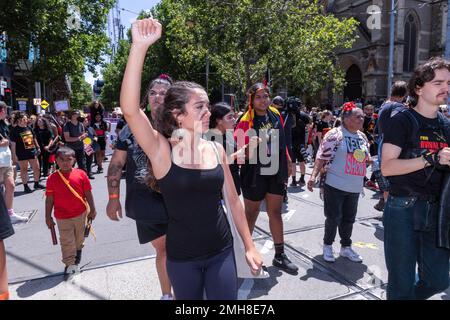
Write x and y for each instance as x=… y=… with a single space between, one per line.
x=391 y=47
x=207 y=73
x=447 y=37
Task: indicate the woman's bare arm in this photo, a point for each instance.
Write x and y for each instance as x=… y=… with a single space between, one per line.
x=144 y=33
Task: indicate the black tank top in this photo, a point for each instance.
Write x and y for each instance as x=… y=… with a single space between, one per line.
x=198 y=228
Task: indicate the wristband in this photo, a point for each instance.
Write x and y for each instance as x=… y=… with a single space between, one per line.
x=114 y=196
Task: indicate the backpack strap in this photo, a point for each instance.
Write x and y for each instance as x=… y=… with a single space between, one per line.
x=412 y=150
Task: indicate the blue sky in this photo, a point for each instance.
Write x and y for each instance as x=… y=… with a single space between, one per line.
x=132 y=8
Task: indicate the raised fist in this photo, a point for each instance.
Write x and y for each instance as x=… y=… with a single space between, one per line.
x=146 y=32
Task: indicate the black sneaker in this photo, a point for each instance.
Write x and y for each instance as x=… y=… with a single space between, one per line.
x=302 y=181
x=283 y=262
x=91 y=177
x=27 y=189
x=78 y=257
x=293 y=183
x=37 y=185
x=99 y=170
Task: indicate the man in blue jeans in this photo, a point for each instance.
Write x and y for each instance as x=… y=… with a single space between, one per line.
x=415 y=156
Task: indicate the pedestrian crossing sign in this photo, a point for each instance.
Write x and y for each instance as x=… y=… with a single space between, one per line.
x=44 y=104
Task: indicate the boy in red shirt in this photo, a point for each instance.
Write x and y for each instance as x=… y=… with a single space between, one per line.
x=69 y=194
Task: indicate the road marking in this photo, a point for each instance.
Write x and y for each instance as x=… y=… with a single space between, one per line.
x=287 y=216
x=366 y=245
x=268 y=245
x=245 y=289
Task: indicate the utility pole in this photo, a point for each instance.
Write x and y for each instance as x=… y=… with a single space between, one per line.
x=391 y=47
x=207 y=73
x=447 y=36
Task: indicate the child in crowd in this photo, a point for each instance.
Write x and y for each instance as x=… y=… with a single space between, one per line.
x=69 y=193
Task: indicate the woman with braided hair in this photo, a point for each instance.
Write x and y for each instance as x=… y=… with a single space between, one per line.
x=263 y=178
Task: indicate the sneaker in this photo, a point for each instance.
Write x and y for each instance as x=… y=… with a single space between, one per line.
x=380 y=205
x=78 y=257
x=302 y=181
x=15 y=218
x=328 y=255
x=371 y=185
x=37 y=185
x=293 y=183
x=91 y=177
x=283 y=262
x=27 y=189
x=349 y=253
x=70 y=271
x=99 y=170
x=166 y=297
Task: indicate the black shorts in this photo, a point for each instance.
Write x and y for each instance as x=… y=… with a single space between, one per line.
x=296 y=154
x=102 y=143
x=264 y=185
x=148 y=231
x=6 y=228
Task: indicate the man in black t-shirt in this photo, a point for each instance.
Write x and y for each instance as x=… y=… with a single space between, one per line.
x=399 y=92
x=299 y=145
x=25 y=149
x=415 y=158
x=74 y=134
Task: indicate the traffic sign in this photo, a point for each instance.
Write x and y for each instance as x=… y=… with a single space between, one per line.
x=44 y=104
x=37 y=101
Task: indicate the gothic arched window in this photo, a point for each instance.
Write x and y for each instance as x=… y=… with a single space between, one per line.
x=410 y=47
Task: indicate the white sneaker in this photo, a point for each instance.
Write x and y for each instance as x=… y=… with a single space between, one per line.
x=167 y=297
x=328 y=255
x=15 y=218
x=349 y=253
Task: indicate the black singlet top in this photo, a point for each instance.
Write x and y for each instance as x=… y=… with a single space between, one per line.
x=198 y=228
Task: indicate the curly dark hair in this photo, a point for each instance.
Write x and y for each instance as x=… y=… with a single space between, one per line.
x=176 y=98
x=426 y=73
x=100 y=105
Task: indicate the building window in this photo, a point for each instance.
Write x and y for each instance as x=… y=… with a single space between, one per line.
x=410 y=47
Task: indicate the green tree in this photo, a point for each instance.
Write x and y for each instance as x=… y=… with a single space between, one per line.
x=81 y=92
x=241 y=39
x=66 y=46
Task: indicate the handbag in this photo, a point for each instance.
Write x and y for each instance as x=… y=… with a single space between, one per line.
x=5 y=156
x=242 y=268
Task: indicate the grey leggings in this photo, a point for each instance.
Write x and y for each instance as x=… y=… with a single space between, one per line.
x=215 y=276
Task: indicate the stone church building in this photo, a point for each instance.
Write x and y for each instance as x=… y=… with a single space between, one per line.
x=420 y=32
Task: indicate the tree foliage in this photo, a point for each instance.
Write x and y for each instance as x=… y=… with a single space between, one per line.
x=66 y=45
x=243 y=38
x=81 y=93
